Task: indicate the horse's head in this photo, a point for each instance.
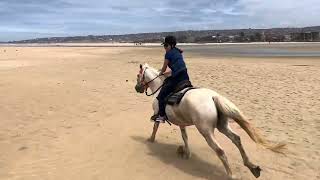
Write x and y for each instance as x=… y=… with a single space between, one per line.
x=148 y=77
x=141 y=79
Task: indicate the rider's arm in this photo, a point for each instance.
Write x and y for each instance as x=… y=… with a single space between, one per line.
x=164 y=67
x=167 y=73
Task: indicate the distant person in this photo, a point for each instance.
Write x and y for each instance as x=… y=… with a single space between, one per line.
x=174 y=60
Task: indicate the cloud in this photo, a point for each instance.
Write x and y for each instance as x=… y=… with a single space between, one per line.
x=281 y=13
x=23 y=19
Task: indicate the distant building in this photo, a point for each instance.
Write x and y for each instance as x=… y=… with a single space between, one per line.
x=287 y=38
x=231 y=38
x=263 y=37
x=275 y=38
x=305 y=36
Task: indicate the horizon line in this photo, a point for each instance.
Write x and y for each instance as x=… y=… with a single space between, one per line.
x=155 y=32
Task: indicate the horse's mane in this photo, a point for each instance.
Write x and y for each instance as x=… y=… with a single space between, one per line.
x=156 y=71
x=145 y=65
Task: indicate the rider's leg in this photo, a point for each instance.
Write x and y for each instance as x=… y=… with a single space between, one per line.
x=168 y=88
x=164 y=92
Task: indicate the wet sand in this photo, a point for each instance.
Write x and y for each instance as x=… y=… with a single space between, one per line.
x=70 y=113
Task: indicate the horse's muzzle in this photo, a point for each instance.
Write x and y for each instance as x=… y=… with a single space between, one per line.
x=139 y=88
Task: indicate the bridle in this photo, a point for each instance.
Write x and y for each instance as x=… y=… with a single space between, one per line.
x=145 y=84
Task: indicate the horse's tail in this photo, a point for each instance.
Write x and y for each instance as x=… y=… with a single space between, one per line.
x=228 y=109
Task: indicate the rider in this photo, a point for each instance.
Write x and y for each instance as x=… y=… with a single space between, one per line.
x=174 y=60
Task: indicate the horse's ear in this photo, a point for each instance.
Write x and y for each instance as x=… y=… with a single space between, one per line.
x=140 y=66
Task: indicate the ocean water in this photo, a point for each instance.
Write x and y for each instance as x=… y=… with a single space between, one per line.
x=254 y=50
x=311 y=50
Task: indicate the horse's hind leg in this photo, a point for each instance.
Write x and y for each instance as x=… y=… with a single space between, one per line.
x=216 y=147
x=224 y=128
x=184 y=151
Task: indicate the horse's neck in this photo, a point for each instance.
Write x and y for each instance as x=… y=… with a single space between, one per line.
x=155 y=84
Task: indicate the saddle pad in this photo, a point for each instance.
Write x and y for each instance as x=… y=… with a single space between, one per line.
x=175 y=98
x=182 y=85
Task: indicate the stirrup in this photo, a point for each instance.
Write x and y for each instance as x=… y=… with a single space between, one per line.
x=154 y=117
x=161 y=119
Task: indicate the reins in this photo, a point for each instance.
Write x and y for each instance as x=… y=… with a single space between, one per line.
x=146 y=84
x=154 y=91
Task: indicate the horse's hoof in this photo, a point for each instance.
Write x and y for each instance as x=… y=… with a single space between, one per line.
x=256 y=171
x=180 y=150
x=186 y=156
x=151 y=140
x=183 y=153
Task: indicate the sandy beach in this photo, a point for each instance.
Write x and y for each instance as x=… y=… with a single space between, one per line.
x=72 y=113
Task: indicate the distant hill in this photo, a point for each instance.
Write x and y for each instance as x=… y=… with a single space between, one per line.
x=235 y=35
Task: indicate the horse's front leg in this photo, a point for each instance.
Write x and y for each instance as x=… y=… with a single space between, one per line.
x=184 y=151
x=154 y=132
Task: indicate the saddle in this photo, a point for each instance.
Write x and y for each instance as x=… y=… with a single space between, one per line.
x=181 y=89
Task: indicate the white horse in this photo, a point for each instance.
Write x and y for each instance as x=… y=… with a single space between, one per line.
x=207 y=110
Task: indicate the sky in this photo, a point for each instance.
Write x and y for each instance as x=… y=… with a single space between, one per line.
x=26 y=19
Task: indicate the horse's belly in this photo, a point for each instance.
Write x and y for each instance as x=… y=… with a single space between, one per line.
x=176 y=117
